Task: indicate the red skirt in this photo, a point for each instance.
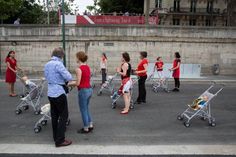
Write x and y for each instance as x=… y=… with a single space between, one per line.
x=10 y=76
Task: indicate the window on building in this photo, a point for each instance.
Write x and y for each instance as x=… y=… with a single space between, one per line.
x=193 y=6
x=210 y=6
x=158 y=3
x=208 y=22
x=177 y=5
x=192 y=22
x=176 y=21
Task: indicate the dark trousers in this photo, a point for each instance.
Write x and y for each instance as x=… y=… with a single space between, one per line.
x=141 y=89
x=104 y=75
x=59 y=116
x=177 y=83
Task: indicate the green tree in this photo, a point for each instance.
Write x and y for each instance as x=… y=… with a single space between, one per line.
x=9 y=8
x=132 y=6
x=31 y=13
x=94 y=8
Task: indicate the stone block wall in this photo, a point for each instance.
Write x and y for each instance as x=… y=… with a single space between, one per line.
x=197 y=45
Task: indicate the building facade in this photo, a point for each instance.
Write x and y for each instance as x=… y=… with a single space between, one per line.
x=194 y=12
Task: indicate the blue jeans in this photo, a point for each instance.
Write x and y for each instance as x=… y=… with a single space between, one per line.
x=84 y=96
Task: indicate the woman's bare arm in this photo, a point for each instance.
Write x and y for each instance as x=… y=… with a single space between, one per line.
x=174 y=68
x=9 y=66
x=78 y=78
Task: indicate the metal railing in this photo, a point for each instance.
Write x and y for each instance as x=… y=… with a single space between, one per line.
x=195 y=10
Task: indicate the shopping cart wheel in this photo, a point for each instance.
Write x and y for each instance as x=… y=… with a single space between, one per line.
x=37 y=129
x=131 y=107
x=179 y=117
x=18 y=111
x=68 y=122
x=26 y=107
x=44 y=122
x=99 y=93
x=36 y=112
x=213 y=124
x=186 y=124
x=203 y=118
x=113 y=106
x=155 y=90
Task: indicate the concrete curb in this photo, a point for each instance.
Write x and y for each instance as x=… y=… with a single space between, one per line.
x=119 y=149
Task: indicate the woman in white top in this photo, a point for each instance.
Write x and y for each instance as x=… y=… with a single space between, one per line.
x=103 y=66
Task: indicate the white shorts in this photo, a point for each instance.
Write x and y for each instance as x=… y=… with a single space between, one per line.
x=160 y=74
x=127 y=86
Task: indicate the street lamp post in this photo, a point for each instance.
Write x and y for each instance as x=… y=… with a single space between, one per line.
x=63 y=30
x=48 y=18
x=146 y=11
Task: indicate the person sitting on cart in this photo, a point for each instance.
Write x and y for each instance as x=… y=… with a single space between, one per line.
x=159 y=67
x=199 y=102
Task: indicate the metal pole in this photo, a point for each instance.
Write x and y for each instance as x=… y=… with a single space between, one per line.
x=63 y=31
x=147 y=3
x=48 y=11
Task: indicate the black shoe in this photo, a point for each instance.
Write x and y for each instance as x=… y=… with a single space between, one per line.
x=65 y=143
x=175 y=90
x=91 y=129
x=82 y=131
x=144 y=101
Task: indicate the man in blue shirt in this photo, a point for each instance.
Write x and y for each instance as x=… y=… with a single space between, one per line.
x=57 y=75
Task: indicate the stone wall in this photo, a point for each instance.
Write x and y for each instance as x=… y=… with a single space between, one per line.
x=197 y=45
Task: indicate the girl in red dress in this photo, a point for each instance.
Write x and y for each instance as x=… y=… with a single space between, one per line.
x=11 y=72
x=176 y=71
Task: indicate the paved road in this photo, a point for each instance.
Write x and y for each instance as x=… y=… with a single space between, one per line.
x=153 y=123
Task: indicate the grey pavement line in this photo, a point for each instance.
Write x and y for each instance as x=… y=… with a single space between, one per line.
x=119 y=149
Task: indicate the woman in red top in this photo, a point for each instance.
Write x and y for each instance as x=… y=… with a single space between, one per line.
x=11 y=72
x=176 y=71
x=141 y=71
x=85 y=91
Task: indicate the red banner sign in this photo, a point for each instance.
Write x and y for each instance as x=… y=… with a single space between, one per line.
x=103 y=19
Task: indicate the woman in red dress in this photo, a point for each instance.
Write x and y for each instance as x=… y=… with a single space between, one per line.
x=11 y=72
x=176 y=71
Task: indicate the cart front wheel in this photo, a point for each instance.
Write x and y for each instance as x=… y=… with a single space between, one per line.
x=37 y=129
x=44 y=122
x=68 y=122
x=26 y=107
x=99 y=93
x=18 y=111
x=213 y=124
x=186 y=124
x=36 y=112
x=179 y=117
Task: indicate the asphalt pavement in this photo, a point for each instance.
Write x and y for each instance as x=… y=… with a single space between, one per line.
x=148 y=129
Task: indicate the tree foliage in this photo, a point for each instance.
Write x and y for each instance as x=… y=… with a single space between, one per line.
x=9 y=8
x=132 y=6
x=28 y=11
